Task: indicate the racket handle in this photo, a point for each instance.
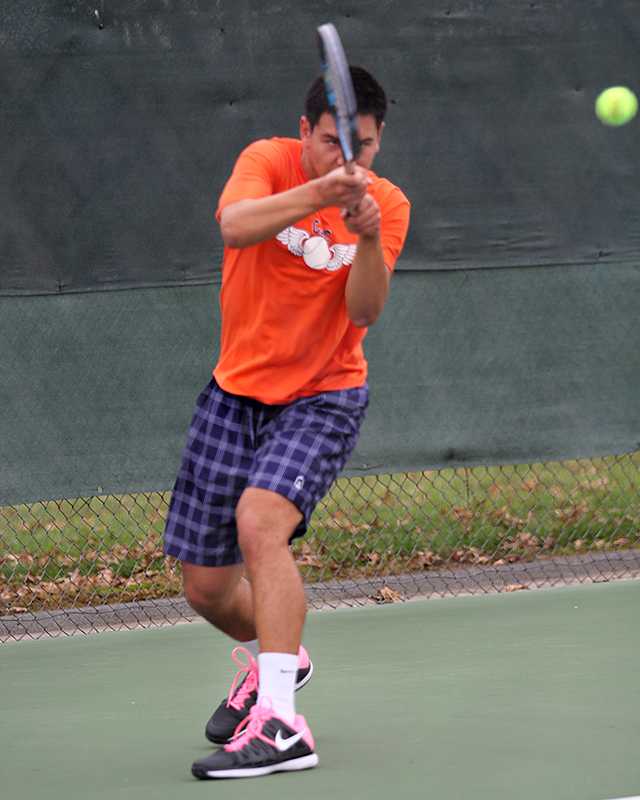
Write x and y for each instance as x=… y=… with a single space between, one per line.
x=350 y=169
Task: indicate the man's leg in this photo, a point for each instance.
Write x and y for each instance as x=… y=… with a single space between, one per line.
x=221 y=595
x=301 y=450
x=273 y=738
x=225 y=598
x=266 y=521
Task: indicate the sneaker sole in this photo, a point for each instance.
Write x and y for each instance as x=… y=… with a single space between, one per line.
x=306 y=678
x=305 y=762
x=220 y=741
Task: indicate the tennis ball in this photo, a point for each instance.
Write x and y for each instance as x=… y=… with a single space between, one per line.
x=616 y=106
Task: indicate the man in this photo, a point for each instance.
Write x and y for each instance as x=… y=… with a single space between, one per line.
x=309 y=250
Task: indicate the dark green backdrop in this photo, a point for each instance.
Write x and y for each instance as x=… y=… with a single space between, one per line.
x=511 y=334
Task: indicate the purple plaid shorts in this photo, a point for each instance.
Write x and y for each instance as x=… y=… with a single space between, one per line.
x=296 y=450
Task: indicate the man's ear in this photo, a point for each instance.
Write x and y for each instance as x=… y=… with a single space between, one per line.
x=305 y=127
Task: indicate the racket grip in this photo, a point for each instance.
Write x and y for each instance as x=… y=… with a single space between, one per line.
x=349 y=167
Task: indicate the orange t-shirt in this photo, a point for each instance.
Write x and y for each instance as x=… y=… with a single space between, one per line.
x=285 y=329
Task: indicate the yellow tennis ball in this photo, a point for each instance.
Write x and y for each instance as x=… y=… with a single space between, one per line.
x=616 y=106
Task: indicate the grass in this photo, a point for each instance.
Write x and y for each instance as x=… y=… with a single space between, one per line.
x=108 y=549
x=482 y=515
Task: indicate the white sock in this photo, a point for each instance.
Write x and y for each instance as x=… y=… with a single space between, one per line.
x=277 y=683
x=253 y=647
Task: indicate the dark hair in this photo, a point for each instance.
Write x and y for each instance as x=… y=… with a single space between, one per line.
x=370 y=97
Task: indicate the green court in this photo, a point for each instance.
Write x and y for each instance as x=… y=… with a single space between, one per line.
x=528 y=695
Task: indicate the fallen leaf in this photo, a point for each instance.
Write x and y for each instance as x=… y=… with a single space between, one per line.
x=503 y=515
x=387 y=595
x=427 y=558
x=307 y=557
x=573 y=513
x=600 y=483
x=462 y=514
x=526 y=540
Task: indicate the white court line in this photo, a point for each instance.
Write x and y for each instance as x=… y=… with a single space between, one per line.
x=635 y=797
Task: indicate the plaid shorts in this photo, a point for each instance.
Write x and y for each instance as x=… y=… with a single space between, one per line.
x=296 y=450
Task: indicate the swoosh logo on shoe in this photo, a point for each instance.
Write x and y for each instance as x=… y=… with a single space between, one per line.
x=285 y=744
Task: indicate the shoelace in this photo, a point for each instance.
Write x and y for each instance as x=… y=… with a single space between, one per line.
x=251 y=727
x=241 y=689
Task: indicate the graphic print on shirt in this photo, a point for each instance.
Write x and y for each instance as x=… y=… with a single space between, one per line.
x=317 y=228
x=315 y=251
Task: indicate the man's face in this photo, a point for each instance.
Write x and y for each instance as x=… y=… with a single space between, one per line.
x=321 y=151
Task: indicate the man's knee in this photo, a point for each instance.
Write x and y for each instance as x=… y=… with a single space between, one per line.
x=265 y=521
x=209 y=589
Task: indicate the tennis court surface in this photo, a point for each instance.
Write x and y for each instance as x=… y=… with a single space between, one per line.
x=526 y=695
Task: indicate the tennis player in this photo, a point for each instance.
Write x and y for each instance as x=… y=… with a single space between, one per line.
x=309 y=251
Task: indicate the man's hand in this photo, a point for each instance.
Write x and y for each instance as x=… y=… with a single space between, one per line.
x=343 y=189
x=364 y=220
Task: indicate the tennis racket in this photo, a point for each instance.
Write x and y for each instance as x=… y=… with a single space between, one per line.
x=340 y=93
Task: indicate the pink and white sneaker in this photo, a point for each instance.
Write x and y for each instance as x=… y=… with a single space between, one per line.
x=243 y=694
x=262 y=744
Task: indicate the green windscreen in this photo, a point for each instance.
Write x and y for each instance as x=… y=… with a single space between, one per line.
x=511 y=334
x=120 y=130
x=466 y=367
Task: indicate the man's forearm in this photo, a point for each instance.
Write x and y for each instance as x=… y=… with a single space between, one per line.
x=248 y=222
x=368 y=283
x=251 y=221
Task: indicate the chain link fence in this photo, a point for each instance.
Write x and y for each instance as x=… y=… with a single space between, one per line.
x=92 y=563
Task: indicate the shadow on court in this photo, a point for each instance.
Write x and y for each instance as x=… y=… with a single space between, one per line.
x=525 y=695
